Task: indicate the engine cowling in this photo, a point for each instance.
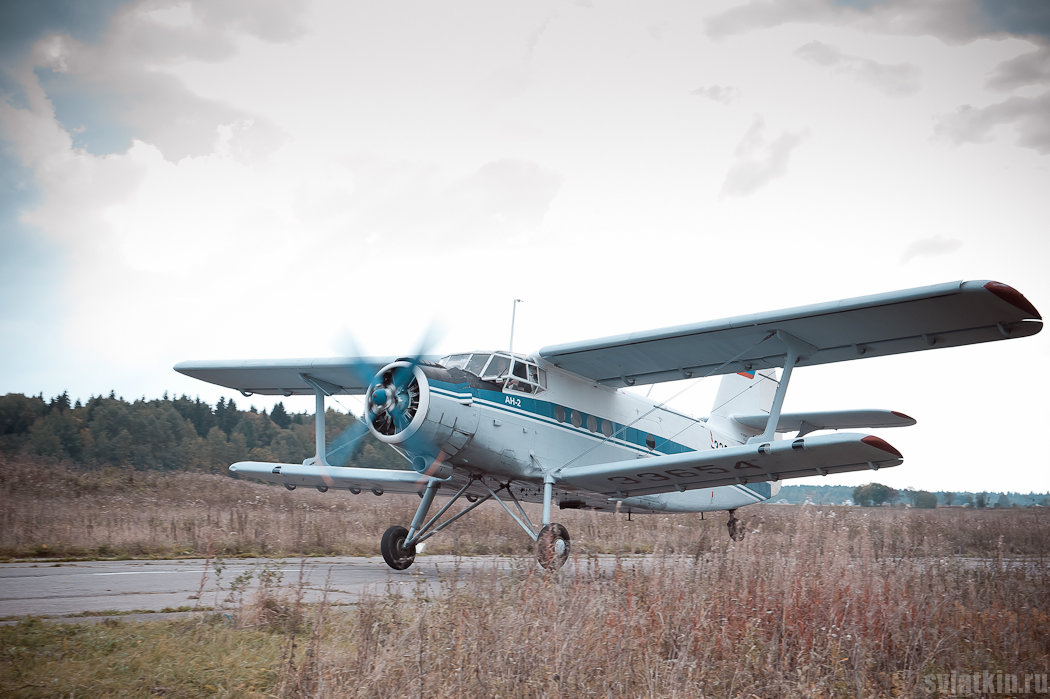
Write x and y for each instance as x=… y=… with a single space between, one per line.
x=400 y=411
x=397 y=402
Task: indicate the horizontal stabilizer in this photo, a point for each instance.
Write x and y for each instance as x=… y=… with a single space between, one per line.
x=380 y=479
x=804 y=423
x=769 y=461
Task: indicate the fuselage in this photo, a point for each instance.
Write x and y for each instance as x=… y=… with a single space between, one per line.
x=521 y=422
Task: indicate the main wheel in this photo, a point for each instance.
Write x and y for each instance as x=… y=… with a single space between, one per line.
x=395 y=553
x=552 y=546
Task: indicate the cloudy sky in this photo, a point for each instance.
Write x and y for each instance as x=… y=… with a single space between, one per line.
x=239 y=178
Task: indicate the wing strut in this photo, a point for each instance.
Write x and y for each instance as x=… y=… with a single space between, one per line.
x=796 y=350
x=320 y=391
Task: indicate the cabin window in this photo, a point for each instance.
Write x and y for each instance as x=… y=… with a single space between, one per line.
x=592 y=423
x=607 y=428
x=576 y=419
x=650 y=441
x=559 y=413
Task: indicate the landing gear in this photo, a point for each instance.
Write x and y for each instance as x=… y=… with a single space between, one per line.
x=736 y=528
x=552 y=546
x=552 y=542
x=395 y=553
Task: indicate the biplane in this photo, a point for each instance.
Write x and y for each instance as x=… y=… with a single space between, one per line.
x=559 y=428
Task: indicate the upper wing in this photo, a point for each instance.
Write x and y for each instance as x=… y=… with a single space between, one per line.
x=285 y=376
x=769 y=461
x=943 y=315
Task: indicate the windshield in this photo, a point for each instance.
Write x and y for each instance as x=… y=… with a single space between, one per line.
x=512 y=372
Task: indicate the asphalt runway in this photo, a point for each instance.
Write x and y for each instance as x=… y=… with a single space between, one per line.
x=63 y=590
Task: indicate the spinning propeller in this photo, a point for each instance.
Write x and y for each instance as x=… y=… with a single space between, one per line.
x=393 y=400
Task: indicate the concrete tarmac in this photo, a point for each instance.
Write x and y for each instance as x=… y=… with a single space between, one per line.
x=63 y=590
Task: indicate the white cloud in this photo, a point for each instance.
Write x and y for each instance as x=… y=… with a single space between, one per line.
x=955 y=21
x=722 y=94
x=123 y=85
x=1032 y=68
x=896 y=80
x=760 y=160
x=1029 y=117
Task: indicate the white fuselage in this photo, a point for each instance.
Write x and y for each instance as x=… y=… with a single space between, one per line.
x=523 y=436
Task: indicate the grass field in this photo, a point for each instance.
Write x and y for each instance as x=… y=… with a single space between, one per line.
x=814 y=602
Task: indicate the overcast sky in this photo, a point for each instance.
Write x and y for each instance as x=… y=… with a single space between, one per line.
x=226 y=179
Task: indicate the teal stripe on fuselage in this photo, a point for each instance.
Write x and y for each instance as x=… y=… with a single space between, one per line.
x=527 y=406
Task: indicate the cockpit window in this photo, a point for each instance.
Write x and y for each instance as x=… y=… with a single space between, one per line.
x=477 y=364
x=456 y=361
x=514 y=373
x=497 y=368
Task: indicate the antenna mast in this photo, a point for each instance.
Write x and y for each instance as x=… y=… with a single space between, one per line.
x=513 y=313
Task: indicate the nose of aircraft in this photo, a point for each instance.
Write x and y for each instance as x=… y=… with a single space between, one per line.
x=398 y=402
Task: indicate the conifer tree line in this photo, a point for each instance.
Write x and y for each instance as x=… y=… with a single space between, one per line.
x=172 y=433
x=189 y=434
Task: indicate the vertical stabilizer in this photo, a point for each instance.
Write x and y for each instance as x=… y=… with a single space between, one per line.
x=743 y=393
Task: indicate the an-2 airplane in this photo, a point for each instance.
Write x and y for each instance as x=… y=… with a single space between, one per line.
x=556 y=428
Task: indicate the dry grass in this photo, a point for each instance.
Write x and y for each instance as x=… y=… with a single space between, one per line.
x=814 y=602
x=54 y=511
x=811 y=610
x=814 y=621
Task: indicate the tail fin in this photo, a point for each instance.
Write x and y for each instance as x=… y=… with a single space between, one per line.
x=743 y=393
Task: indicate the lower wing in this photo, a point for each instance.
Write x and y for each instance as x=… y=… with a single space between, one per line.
x=386 y=480
x=769 y=461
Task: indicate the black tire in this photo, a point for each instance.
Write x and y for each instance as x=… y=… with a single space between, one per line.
x=552 y=546
x=395 y=553
x=736 y=528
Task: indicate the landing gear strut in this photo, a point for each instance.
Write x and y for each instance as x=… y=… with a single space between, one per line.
x=736 y=528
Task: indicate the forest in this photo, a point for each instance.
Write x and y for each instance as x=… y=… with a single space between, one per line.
x=172 y=433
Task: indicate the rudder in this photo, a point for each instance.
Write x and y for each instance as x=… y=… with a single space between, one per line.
x=743 y=393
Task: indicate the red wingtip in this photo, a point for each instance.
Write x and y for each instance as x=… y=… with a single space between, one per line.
x=880 y=443
x=1013 y=297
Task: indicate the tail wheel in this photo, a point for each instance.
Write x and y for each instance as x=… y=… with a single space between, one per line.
x=395 y=553
x=736 y=528
x=552 y=546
